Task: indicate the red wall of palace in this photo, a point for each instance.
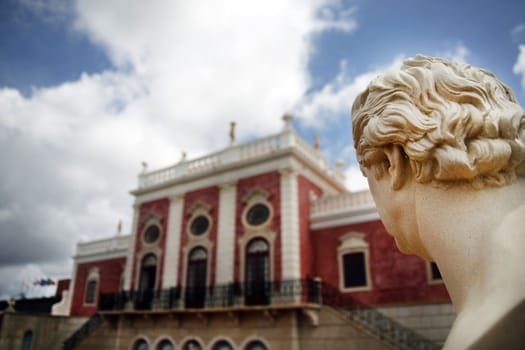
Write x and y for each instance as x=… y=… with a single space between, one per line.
x=110 y=272
x=305 y=187
x=209 y=196
x=62 y=285
x=270 y=182
x=396 y=277
x=159 y=208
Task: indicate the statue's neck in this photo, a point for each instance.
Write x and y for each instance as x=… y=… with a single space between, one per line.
x=477 y=240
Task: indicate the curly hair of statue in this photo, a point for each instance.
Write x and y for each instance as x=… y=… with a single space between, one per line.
x=456 y=124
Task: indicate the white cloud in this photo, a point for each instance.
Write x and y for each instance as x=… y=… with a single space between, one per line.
x=459 y=53
x=335 y=99
x=184 y=69
x=355 y=181
x=519 y=66
x=518 y=32
x=21 y=280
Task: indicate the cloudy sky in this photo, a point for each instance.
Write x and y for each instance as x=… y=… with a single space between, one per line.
x=91 y=88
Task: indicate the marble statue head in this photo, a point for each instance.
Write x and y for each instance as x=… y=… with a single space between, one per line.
x=456 y=124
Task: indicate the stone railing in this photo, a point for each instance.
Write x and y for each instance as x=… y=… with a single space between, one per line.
x=343 y=201
x=237 y=153
x=247 y=294
x=102 y=246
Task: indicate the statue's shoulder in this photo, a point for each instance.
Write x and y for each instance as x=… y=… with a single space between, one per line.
x=508 y=333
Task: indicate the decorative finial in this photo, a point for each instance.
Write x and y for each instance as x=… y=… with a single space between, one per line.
x=287 y=118
x=11 y=305
x=340 y=164
x=144 y=167
x=232 y=133
x=119 y=228
x=182 y=156
x=317 y=145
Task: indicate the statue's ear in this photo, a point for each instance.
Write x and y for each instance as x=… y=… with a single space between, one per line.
x=397 y=168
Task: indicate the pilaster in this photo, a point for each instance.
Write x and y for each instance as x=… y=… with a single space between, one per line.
x=290 y=245
x=173 y=238
x=128 y=271
x=226 y=233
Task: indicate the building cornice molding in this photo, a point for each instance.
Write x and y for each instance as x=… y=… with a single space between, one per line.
x=344 y=217
x=286 y=159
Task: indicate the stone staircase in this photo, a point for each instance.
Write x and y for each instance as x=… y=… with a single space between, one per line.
x=390 y=331
x=83 y=332
x=384 y=328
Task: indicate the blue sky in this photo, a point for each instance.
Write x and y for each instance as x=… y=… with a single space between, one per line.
x=91 y=88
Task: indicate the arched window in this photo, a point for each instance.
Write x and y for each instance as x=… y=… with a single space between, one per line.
x=147 y=282
x=27 y=340
x=255 y=345
x=192 y=345
x=257 y=277
x=90 y=293
x=140 y=344
x=165 y=345
x=196 y=278
x=222 y=345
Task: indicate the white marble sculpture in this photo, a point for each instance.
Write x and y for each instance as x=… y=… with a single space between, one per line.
x=443 y=147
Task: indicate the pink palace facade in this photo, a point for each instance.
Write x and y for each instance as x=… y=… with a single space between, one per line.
x=257 y=246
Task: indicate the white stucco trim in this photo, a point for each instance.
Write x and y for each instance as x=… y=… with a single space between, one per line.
x=344 y=217
x=93 y=276
x=155 y=251
x=283 y=159
x=290 y=247
x=128 y=270
x=226 y=234
x=101 y=257
x=246 y=238
x=171 y=257
x=207 y=245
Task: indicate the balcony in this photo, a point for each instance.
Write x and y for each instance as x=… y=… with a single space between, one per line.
x=241 y=295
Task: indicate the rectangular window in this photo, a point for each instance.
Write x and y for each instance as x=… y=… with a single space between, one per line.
x=435 y=274
x=354 y=270
x=91 y=291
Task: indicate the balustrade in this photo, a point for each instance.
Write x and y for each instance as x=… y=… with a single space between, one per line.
x=237 y=153
x=343 y=201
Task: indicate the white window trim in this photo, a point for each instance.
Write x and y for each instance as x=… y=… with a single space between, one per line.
x=138 y=265
x=196 y=210
x=353 y=242
x=154 y=221
x=254 y=197
x=207 y=245
x=93 y=276
x=430 y=280
x=251 y=199
x=246 y=238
